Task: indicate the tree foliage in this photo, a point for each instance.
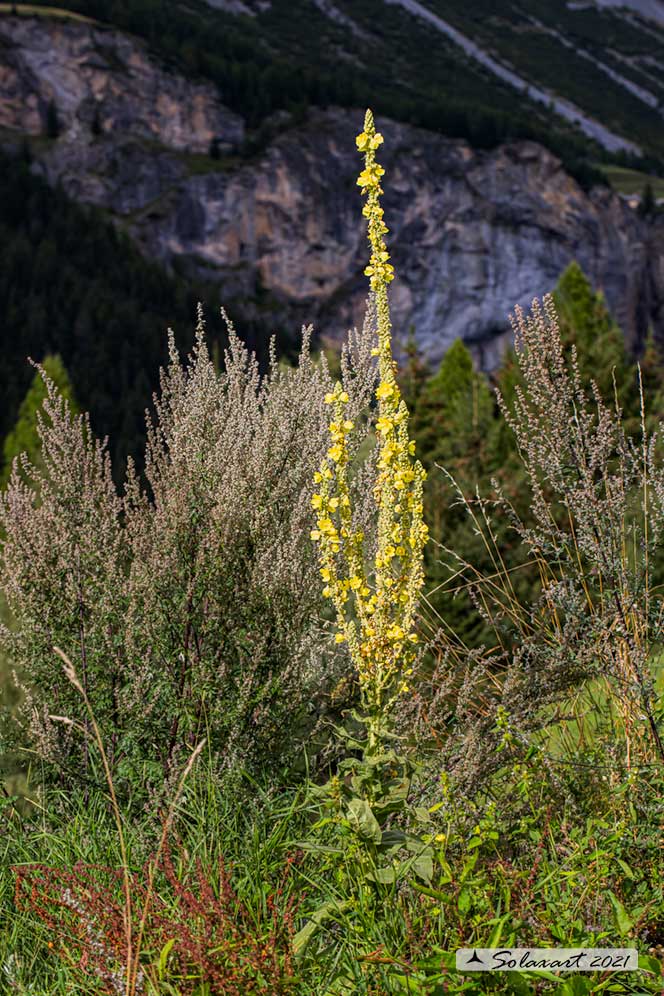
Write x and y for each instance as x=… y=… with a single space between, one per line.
x=24 y=437
x=71 y=284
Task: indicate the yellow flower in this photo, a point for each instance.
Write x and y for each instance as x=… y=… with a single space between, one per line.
x=380 y=635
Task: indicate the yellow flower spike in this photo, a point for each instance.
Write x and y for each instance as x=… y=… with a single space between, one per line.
x=375 y=605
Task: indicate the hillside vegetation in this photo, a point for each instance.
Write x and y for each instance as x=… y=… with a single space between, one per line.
x=307 y=53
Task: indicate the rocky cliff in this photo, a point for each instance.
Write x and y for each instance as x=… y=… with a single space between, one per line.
x=472 y=232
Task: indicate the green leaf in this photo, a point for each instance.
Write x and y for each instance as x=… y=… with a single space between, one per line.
x=469 y=865
x=464 y=901
x=363 y=821
x=575 y=986
x=518 y=985
x=322 y=914
x=496 y=933
x=623 y=921
x=442 y=897
x=392 y=839
x=627 y=870
x=649 y=964
x=423 y=867
x=163 y=956
x=384 y=876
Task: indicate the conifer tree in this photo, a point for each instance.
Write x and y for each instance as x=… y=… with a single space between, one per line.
x=24 y=437
x=652 y=377
x=585 y=320
x=454 y=422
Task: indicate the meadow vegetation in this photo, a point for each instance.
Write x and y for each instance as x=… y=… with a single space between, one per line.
x=361 y=669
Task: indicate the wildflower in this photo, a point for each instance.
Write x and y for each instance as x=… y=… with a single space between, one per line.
x=384 y=390
x=379 y=631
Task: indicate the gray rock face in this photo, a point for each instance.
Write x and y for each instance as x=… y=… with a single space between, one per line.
x=472 y=233
x=102 y=76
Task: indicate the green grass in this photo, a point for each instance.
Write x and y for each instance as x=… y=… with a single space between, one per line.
x=500 y=873
x=631 y=181
x=39 y=11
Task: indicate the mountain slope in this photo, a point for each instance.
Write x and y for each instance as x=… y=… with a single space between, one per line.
x=589 y=80
x=209 y=182
x=279 y=232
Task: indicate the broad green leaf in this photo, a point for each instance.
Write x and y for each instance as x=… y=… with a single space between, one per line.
x=627 y=870
x=624 y=922
x=423 y=867
x=322 y=914
x=464 y=901
x=363 y=821
x=384 y=876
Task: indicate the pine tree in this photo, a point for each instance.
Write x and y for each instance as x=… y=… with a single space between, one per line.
x=416 y=371
x=453 y=422
x=24 y=437
x=586 y=322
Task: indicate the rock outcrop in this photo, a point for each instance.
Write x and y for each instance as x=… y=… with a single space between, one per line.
x=102 y=81
x=473 y=232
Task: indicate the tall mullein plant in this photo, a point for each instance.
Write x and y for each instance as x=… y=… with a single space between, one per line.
x=375 y=604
